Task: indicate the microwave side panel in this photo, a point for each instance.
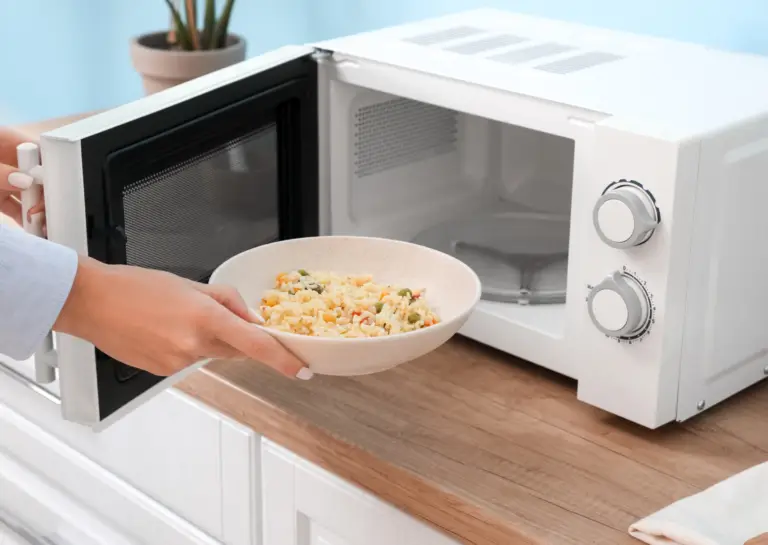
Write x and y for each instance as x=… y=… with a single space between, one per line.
x=79 y=217
x=725 y=346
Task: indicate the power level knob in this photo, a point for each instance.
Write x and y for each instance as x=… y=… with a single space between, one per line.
x=618 y=306
x=625 y=215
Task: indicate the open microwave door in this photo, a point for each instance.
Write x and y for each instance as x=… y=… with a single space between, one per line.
x=180 y=181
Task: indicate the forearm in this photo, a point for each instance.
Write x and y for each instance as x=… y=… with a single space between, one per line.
x=84 y=305
x=147 y=319
x=36 y=277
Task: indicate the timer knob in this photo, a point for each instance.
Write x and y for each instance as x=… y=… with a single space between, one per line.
x=625 y=215
x=618 y=306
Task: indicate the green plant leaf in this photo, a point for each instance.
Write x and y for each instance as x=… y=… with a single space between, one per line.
x=209 y=22
x=191 y=12
x=182 y=36
x=220 y=33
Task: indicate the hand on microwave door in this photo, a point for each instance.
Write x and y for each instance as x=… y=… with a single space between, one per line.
x=147 y=319
x=162 y=323
x=9 y=194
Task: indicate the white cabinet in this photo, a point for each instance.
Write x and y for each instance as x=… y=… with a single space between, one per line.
x=33 y=510
x=306 y=505
x=169 y=448
x=240 y=484
x=177 y=451
x=68 y=498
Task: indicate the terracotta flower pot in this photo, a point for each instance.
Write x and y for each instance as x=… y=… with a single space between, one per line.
x=161 y=67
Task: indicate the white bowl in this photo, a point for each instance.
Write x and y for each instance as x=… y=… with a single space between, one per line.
x=453 y=290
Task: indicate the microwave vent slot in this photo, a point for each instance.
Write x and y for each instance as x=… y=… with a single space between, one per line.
x=485 y=44
x=445 y=35
x=579 y=62
x=518 y=56
x=399 y=132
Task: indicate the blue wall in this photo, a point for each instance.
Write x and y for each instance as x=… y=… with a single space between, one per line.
x=75 y=52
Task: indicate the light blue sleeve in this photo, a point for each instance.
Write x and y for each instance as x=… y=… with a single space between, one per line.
x=36 y=276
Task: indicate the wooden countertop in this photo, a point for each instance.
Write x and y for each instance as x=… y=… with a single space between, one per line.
x=488 y=448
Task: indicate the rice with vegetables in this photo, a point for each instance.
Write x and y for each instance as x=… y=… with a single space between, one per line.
x=325 y=304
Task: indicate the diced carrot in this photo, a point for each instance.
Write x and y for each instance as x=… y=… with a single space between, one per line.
x=270 y=300
x=329 y=317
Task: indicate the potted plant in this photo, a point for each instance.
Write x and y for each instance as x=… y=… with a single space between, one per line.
x=187 y=51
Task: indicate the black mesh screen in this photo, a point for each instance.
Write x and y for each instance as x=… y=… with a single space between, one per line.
x=189 y=219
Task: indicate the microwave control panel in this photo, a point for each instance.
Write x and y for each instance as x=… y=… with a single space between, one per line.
x=621 y=307
x=625 y=215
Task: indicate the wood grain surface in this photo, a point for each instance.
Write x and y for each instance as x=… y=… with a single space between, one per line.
x=488 y=448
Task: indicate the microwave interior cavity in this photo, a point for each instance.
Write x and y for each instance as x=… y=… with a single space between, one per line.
x=495 y=195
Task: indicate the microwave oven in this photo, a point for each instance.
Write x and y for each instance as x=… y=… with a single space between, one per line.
x=607 y=188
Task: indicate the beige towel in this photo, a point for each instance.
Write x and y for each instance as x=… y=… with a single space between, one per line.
x=728 y=513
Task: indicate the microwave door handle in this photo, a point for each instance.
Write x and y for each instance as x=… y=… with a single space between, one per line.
x=28 y=156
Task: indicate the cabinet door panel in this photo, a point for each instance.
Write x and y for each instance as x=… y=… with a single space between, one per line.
x=169 y=448
x=313 y=533
x=241 y=484
x=279 y=507
x=47 y=461
x=306 y=505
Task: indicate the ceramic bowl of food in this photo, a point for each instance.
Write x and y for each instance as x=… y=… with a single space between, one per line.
x=354 y=305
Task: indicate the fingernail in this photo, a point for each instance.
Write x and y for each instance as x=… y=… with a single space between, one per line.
x=255 y=316
x=305 y=373
x=20 y=180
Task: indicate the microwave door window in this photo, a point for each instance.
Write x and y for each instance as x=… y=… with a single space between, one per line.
x=188 y=220
x=184 y=188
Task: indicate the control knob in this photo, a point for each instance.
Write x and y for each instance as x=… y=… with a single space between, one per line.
x=619 y=306
x=625 y=215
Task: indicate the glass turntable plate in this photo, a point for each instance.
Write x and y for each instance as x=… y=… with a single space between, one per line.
x=520 y=257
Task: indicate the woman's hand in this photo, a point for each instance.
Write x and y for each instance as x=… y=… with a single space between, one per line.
x=162 y=323
x=9 y=193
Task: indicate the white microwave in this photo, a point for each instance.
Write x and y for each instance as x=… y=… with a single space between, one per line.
x=608 y=189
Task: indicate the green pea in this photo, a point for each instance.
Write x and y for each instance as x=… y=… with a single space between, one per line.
x=316 y=288
x=378 y=306
x=405 y=292
x=413 y=317
x=303 y=272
